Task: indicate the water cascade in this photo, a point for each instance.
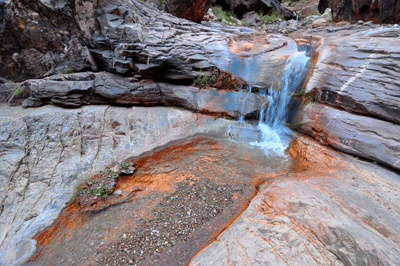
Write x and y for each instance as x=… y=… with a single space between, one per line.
x=275 y=135
x=264 y=62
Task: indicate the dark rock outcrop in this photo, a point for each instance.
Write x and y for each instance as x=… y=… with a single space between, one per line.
x=379 y=11
x=41 y=37
x=241 y=7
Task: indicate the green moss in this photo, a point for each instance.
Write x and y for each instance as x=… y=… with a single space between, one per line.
x=69 y=71
x=17 y=90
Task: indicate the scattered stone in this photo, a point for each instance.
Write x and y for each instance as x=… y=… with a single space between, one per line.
x=319 y=23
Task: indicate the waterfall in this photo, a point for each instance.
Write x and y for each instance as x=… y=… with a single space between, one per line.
x=275 y=135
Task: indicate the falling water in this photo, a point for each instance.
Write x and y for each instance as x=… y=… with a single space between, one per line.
x=275 y=135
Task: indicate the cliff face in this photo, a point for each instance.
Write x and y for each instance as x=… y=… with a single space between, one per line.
x=381 y=11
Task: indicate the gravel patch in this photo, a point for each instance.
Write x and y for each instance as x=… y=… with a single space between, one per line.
x=193 y=205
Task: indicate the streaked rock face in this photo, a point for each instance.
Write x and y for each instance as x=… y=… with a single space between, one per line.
x=357 y=71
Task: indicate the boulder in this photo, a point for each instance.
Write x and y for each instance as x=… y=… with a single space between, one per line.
x=193 y=10
x=380 y=11
x=319 y=23
x=251 y=18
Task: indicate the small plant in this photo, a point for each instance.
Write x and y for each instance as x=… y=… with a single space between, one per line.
x=101 y=191
x=223 y=15
x=162 y=2
x=126 y=166
x=79 y=190
x=245 y=23
x=16 y=90
x=306 y=97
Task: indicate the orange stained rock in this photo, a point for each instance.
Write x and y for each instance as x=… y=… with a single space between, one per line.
x=312 y=158
x=70 y=218
x=248 y=44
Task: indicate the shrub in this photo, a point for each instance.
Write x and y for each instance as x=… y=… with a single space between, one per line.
x=270 y=18
x=101 y=191
x=223 y=15
x=205 y=80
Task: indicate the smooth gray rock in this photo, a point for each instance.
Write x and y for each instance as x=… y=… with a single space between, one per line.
x=358 y=135
x=359 y=72
x=46 y=152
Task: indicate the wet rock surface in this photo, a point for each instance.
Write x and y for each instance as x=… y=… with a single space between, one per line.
x=185 y=194
x=329 y=210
